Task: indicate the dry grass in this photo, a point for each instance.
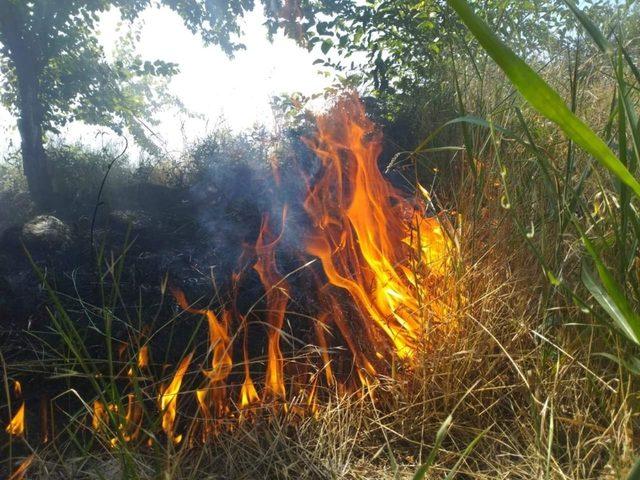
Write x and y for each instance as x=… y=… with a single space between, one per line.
x=550 y=407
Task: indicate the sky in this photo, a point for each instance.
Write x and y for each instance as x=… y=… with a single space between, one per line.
x=210 y=84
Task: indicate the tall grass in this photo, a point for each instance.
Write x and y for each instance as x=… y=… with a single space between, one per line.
x=598 y=206
x=542 y=381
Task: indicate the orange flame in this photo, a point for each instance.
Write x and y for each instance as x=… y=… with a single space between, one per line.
x=99 y=417
x=248 y=392
x=320 y=326
x=203 y=405
x=142 y=360
x=132 y=419
x=143 y=357
x=218 y=338
x=277 y=295
x=168 y=400
x=17 y=424
x=21 y=471
x=382 y=286
x=365 y=232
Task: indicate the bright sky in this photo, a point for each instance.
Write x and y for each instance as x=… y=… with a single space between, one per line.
x=209 y=83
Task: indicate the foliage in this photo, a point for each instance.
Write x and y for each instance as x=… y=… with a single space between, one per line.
x=56 y=43
x=597 y=207
x=56 y=71
x=406 y=44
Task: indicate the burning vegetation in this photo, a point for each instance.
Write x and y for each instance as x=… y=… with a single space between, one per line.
x=378 y=290
x=290 y=303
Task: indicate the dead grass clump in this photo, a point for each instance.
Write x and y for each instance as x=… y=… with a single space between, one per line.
x=540 y=400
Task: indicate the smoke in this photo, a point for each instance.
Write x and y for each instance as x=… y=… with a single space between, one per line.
x=242 y=177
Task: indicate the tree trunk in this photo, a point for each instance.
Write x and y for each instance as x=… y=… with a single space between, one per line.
x=24 y=47
x=34 y=157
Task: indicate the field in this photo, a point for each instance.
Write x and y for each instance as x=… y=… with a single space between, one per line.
x=432 y=283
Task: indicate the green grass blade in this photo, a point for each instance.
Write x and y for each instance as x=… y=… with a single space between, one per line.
x=426 y=466
x=467 y=451
x=615 y=305
x=541 y=96
x=593 y=31
x=630 y=62
x=631 y=364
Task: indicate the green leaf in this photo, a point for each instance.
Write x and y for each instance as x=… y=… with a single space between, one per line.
x=541 y=96
x=593 y=31
x=326 y=45
x=614 y=303
x=426 y=466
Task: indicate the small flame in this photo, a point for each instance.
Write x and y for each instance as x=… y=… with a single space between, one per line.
x=17 y=423
x=21 y=471
x=248 y=393
x=99 y=417
x=142 y=360
x=168 y=400
x=143 y=357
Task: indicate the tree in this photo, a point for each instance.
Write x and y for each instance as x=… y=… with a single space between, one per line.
x=55 y=70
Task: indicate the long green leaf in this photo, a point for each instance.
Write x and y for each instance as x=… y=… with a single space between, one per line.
x=590 y=27
x=426 y=466
x=541 y=96
x=467 y=451
x=615 y=305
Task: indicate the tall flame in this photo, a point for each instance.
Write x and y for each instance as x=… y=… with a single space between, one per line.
x=168 y=400
x=17 y=424
x=248 y=393
x=365 y=231
x=277 y=295
x=218 y=338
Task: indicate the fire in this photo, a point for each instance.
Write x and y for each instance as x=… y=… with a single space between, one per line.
x=168 y=400
x=212 y=400
x=277 y=295
x=248 y=392
x=16 y=425
x=143 y=357
x=320 y=326
x=142 y=360
x=99 y=418
x=21 y=471
x=133 y=419
x=218 y=338
x=379 y=290
x=371 y=241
